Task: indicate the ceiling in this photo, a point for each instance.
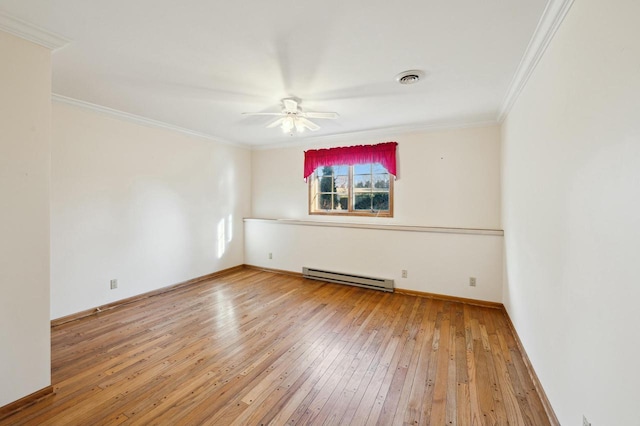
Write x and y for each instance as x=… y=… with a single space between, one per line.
x=199 y=64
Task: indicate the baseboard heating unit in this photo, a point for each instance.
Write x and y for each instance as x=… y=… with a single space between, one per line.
x=382 y=284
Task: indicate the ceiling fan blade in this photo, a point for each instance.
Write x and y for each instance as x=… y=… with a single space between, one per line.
x=263 y=113
x=330 y=115
x=308 y=124
x=275 y=123
x=290 y=105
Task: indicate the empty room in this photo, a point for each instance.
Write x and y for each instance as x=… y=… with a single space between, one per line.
x=357 y=213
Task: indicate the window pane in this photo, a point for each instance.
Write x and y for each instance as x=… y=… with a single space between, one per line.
x=341 y=170
x=327 y=184
x=363 y=181
x=342 y=189
x=342 y=182
x=362 y=201
x=362 y=169
x=325 y=171
x=320 y=171
x=378 y=168
x=328 y=201
x=344 y=203
x=381 y=181
x=325 y=202
x=381 y=201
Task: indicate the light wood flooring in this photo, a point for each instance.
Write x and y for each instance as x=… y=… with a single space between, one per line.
x=254 y=348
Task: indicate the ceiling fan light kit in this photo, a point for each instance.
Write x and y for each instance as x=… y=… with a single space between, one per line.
x=289 y=123
x=293 y=118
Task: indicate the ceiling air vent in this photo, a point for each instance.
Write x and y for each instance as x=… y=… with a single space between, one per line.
x=409 y=77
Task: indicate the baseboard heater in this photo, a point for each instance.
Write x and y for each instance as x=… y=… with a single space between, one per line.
x=382 y=284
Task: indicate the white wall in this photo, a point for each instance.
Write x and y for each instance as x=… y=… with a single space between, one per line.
x=147 y=206
x=25 y=122
x=436 y=262
x=445 y=179
x=571 y=182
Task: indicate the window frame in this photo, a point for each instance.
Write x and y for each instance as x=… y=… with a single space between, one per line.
x=350 y=210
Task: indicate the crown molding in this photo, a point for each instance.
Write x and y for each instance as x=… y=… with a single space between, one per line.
x=32 y=33
x=333 y=138
x=138 y=119
x=552 y=17
x=392 y=132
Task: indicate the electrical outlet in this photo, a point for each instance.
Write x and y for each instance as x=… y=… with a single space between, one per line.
x=114 y=284
x=585 y=422
x=472 y=281
x=404 y=273
x=270 y=255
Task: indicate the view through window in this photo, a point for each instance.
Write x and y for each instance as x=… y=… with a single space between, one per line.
x=361 y=189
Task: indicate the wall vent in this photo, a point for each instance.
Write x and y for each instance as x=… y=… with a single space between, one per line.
x=382 y=284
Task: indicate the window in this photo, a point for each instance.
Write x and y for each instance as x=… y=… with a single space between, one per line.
x=357 y=190
x=351 y=180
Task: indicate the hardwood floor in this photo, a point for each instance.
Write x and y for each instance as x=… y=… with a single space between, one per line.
x=255 y=347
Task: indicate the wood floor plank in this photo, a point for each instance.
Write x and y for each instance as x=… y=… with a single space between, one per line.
x=296 y=406
x=334 y=344
x=418 y=373
x=369 y=388
x=365 y=361
x=256 y=348
x=381 y=405
x=438 y=411
x=398 y=376
x=363 y=340
x=494 y=370
x=463 y=398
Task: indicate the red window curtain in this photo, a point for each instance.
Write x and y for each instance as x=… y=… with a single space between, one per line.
x=383 y=153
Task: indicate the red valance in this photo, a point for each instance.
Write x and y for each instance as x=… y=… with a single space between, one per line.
x=383 y=153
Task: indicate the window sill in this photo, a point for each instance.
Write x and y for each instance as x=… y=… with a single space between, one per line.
x=341 y=213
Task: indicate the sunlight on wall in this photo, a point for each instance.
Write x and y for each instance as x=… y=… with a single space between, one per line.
x=222 y=243
x=225 y=225
x=229 y=228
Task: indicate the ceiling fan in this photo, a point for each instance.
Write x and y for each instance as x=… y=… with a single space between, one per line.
x=292 y=117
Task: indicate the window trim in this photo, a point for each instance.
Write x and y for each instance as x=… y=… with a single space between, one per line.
x=361 y=213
